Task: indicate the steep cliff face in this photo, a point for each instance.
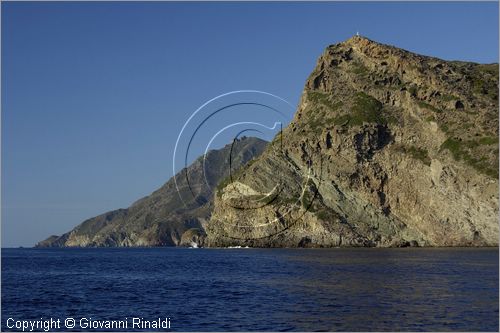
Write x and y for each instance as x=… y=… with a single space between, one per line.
x=164 y=218
x=387 y=148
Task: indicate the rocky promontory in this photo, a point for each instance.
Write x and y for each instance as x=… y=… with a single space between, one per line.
x=387 y=148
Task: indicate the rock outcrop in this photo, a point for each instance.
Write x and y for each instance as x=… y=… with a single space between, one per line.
x=165 y=218
x=387 y=148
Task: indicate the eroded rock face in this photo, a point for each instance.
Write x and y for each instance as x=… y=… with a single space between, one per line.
x=387 y=148
x=194 y=237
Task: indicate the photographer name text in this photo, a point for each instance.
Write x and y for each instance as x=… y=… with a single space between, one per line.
x=84 y=323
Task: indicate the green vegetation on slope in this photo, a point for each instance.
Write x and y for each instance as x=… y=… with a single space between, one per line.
x=463 y=151
x=481 y=85
x=365 y=109
x=322 y=98
x=420 y=154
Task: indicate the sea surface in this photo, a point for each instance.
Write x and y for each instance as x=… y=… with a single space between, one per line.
x=412 y=289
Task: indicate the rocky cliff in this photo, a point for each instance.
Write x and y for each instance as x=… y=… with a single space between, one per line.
x=387 y=148
x=165 y=218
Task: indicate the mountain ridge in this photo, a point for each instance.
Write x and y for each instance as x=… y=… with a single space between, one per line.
x=163 y=218
x=387 y=148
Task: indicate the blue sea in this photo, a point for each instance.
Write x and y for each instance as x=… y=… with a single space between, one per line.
x=412 y=289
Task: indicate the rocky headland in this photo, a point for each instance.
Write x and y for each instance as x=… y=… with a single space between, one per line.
x=387 y=149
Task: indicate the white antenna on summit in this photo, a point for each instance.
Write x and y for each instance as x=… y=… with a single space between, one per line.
x=357 y=33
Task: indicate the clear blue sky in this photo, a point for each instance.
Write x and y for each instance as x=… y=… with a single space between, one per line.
x=94 y=94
